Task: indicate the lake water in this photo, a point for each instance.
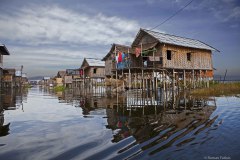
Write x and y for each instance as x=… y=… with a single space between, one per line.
x=39 y=124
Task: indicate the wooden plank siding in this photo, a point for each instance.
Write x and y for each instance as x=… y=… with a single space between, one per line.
x=109 y=65
x=200 y=59
x=89 y=70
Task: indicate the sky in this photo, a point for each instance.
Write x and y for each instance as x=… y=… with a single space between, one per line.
x=51 y=35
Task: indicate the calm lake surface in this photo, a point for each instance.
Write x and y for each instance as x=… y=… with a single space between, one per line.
x=39 y=124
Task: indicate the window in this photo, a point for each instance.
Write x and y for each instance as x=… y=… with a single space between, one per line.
x=169 y=55
x=189 y=56
x=94 y=70
x=161 y=60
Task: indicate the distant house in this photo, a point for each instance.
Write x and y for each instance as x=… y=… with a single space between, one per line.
x=92 y=68
x=172 y=53
x=3 y=51
x=20 y=78
x=59 y=79
x=47 y=81
x=111 y=61
x=70 y=76
x=61 y=74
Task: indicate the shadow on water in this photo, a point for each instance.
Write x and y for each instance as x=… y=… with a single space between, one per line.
x=157 y=122
x=10 y=99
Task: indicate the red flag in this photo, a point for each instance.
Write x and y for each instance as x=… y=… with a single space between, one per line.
x=137 y=51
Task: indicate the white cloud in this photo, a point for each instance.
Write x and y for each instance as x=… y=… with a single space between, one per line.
x=234 y=14
x=46 y=39
x=53 y=25
x=47 y=61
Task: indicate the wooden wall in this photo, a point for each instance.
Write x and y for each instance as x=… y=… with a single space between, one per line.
x=200 y=59
x=100 y=72
x=108 y=66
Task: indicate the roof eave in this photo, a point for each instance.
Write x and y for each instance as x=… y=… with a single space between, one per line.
x=5 y=50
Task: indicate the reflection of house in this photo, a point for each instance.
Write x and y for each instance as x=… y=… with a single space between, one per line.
x=150 y=123
x=93 y=68
x=3 y=51
x=10 y=99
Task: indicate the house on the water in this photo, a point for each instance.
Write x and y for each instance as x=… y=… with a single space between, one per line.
x=70 y=76
x=3 y=51
x=156 y=54
x=111 y=59
x=92 y=68
x=59 y=78
x=9 y=78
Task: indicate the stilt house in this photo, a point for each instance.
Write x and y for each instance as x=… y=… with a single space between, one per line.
x=155 y=50
x=8 y=79
x=3 y=51
x=92 y=68
x=111 y=59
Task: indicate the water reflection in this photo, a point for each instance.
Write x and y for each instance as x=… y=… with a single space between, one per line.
x=10 y=99
x=76 y=124
x=155 y=122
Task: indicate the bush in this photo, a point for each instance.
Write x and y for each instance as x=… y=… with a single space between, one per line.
x=59 y=88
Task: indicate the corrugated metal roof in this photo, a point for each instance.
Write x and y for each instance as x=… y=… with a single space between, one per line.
x=180 y=41
x=95 y=62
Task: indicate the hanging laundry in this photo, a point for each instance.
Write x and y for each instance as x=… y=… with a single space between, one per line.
x=137 y=52
x=123 y=56
x=119 y=57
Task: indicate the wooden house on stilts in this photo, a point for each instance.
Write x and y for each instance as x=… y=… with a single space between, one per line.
x=3 y=51
x=92 y=73
x=182 y=59
x=156 y=58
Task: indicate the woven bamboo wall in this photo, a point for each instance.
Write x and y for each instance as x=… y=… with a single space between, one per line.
x=200 y=59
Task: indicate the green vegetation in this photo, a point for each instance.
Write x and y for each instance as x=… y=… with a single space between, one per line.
x=59 y=88
x=27 y=86
x=218 y=89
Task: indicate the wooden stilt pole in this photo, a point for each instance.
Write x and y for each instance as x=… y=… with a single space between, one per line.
x=184 y=79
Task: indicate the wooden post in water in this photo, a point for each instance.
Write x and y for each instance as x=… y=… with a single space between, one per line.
x=129 y=78
x=173 y=80
x=193 y=79
x=184 y=79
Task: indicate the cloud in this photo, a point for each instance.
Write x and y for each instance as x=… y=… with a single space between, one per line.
x=35 y=25
x=222 y=10
x=48 y=60
x=234 y=14
x=46 y=39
